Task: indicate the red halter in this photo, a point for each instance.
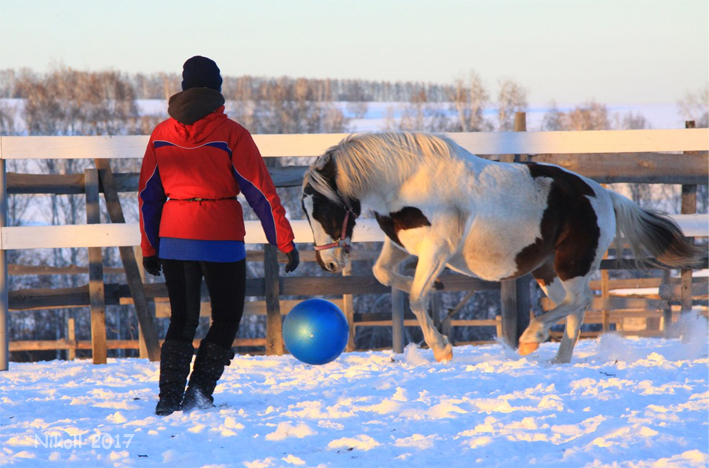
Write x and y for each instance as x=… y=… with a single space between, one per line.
x=341 y=242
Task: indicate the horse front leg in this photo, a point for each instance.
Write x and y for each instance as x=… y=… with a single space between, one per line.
x=431 y=263
x=385 y=269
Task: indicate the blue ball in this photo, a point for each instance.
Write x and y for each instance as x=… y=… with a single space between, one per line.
x=315 y=331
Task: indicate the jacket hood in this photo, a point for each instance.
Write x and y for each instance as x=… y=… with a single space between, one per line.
x=189 y=106
x=196 y=112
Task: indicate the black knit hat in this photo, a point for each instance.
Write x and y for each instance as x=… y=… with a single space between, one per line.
x=201 y=72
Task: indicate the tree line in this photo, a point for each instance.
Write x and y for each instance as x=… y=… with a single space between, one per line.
x=164 y=85
x=64 y=101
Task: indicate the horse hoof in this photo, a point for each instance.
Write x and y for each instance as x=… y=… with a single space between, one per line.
x=527 y=348
x=444 y=354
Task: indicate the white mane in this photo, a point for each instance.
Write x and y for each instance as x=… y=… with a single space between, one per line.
x=368 y=160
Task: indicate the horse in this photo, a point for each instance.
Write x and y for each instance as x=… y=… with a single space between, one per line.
x=497 y=221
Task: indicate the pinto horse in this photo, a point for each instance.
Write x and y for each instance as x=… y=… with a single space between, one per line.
x=436 y=201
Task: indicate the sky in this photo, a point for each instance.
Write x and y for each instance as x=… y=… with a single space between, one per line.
x=570 y=51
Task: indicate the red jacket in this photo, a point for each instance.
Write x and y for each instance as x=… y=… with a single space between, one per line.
x=214 y=159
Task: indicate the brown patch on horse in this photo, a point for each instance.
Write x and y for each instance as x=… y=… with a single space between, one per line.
x=406 y=218
x=545 y=274
x=569 y=227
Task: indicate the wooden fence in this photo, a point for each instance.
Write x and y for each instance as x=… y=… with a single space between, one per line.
x=636 y=156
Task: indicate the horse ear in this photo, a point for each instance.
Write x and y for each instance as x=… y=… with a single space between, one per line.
x=323 y=160
x=355 y=205
x=326 y=167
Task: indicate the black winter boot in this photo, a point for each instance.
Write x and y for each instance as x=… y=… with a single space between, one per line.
x=208 y=368
x=175 y=359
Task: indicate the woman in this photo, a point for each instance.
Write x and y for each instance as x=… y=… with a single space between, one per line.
x=192 y=226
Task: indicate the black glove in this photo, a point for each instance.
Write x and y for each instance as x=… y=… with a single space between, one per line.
x=293 y=260
x=152 y=265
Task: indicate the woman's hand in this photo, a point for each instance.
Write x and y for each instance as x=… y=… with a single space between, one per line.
x=293 y=260
x=152 y=265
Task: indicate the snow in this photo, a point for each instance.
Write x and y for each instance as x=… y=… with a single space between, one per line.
x=621 y=403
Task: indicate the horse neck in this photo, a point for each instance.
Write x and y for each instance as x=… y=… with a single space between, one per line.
x=476 y=163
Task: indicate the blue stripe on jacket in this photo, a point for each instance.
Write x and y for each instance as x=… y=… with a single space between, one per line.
x=260 y=204
x=153 y=196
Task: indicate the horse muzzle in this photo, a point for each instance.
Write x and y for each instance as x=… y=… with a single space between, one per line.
x=332 y=261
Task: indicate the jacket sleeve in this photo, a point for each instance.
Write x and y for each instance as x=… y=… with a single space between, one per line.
x=151 y=199
x=257 y=186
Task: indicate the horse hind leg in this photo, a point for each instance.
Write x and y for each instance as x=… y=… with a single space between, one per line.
x=571 y=333
x=575 y=260
x=547 y=280
x=589 y=231
x=577 y=296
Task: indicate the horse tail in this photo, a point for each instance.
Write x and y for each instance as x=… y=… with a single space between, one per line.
x=651 y=232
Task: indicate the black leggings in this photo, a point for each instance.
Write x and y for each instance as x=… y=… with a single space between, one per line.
x=226 y=283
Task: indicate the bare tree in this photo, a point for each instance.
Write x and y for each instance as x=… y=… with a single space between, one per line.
x=588 y=116
x=413 y=117
x=8 y=120
x=69 y=102
x=357 y=102
x=632 y=121
x=553 y=119
x=511 y=98
x=285 y=105
x=695 y=106
x=469 y=99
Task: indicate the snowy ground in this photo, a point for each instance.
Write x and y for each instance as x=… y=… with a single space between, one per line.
x=620 y=403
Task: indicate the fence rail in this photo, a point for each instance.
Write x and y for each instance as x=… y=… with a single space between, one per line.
x=615 y=141
x=116 y=235
x=606 y=156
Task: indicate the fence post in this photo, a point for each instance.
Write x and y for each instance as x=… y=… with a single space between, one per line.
x=272 y=284
x=605 y=292
x=689 y=206
x=515 y=305
x=435 y=309
x=97 y=298
x=4 y=312
x=272 y=280
x=447 y=327
x=397 y=321
x=142 y=348
x=514 y=294
x=115 y=212
x=397 y=318
x=71 y=337
x=667 y=304
x=348 y=306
